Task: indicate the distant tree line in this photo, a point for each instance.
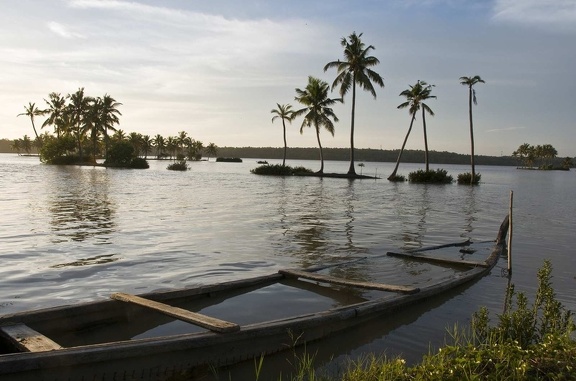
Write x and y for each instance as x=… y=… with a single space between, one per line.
x=363 y=154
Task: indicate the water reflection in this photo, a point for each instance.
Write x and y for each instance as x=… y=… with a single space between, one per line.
x=80 y=207
x=96 y=260
x=470 y=209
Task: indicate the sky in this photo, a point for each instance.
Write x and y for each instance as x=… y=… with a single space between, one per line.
x=216 y=69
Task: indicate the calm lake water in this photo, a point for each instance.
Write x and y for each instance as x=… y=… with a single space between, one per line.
x=72 y=234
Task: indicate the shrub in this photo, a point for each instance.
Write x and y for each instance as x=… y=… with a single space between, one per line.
x=279 y=170
x=439 y=176
x=229 y=159
x=464 y=178
x=120 y=154
x=178 y=166
x=58 y=150
x=397 y=178
x=139 y=163
x=301 y=170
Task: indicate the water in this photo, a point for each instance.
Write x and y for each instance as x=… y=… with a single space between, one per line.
x=72 y=234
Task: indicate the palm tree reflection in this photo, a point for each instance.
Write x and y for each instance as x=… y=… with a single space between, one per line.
x=80 y=208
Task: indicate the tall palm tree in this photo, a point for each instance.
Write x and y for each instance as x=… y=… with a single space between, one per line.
x=317 y=111
x=172 y=146
x=414 y=96
x=108 y=117
x=56 y=106
x=26 y=144
x=160 y=144
x=93 y=126
x=16 y=146
x=146 y=145
x=426 y=91
x=32 y=111
x=285 y=113
x=470 y=82
x=355 y=70
x=78 y=109
x=211 y=149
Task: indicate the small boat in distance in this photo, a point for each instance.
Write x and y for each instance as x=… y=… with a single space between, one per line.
x=171 y=333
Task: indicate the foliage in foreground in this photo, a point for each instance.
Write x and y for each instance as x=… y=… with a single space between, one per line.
x=439 y=176
x=530 y=342
x=280 y=170
x=466 y=178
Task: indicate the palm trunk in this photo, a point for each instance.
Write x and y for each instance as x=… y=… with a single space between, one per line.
x=425 y=139
x=351 y=170
x=321 y=156
x=393 y=175
x=473 y=177
x=284 y=127
x=34 y=127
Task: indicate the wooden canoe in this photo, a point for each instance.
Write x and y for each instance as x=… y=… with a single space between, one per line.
x=157 y=335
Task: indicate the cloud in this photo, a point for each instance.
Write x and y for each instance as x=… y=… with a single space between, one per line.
x=62 y=30
x=506 y=129
x=552 y=13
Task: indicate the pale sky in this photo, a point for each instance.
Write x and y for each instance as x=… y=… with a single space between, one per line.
x=216 y=68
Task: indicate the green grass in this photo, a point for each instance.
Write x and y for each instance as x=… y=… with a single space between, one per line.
x=178 y=166
x=279 y=170
x=439 y=176
x=465 y=178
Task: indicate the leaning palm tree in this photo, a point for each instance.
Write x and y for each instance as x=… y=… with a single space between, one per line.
x=355 y=69
x=285 y=113
x=470 y=82
x=414 y=96
x=32 y=111
x=317 y=111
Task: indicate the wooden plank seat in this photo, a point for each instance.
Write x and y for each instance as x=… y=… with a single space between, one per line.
x=204 y=321
x=447 y=261
x=344 y=282
x=25 y=339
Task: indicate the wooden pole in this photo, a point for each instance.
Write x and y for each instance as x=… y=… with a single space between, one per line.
x=510 y=234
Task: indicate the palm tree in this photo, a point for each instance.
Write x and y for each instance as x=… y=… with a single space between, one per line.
x=108 y=117
x=32 y=111
x=355 y=69
x=146 y=145
x=93 y=125
x=160 y=144
x=414 y=97
x=119 y=135
x=56 y=106
x=16 y=146
x=78 y=109
x=26 y=144
x=172 y=145
x=211 y=149
x=285 y=113
x=426 y=91
x=470 y=82
x=318 y=114
x=135 y=139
